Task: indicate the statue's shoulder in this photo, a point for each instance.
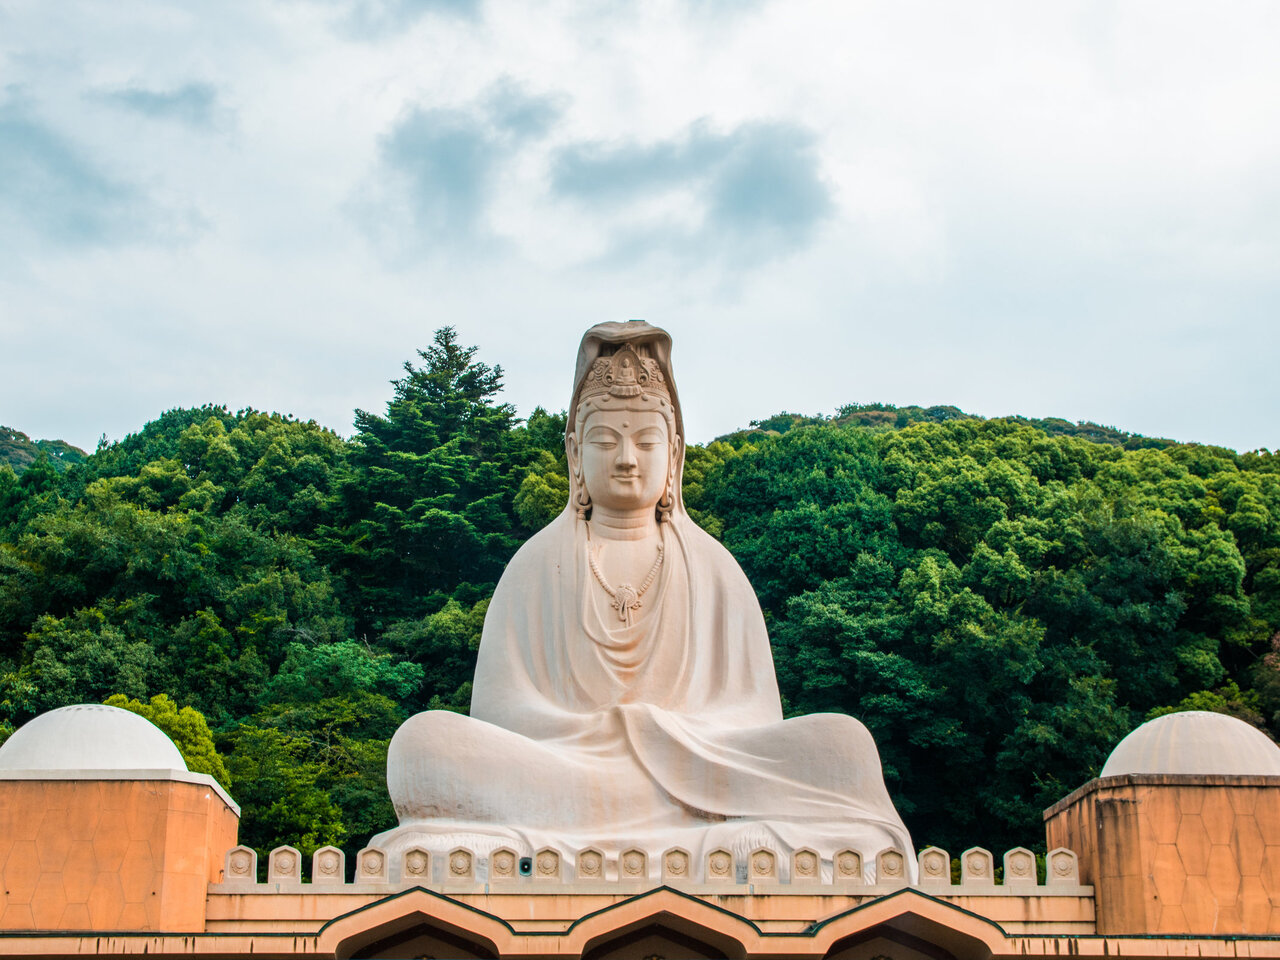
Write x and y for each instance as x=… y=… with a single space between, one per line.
x=544 y=548
x=712 y=558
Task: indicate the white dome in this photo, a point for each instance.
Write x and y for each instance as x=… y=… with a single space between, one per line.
x=1195 y=742
x=89 y=737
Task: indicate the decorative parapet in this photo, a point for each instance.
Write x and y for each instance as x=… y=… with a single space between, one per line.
x=242 y=865
x=846 y=866
x=371 y=865
x=676 y=865
x=328 y=865
x=1020 y=868
x=590 y=864
x=891 y=867
x=720 y=867
x=977 y=866
x=504 y=864
x=546 y=864
x=1062 y=866
x=935 y=867
x=633 y=866
x=762 y=866
x=284 y=865
x=460 y=865
x=415 y=866
x=806 y=868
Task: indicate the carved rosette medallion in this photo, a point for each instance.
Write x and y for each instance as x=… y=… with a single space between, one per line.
x=1061 y=867
x=502 y=864
x=763 y=865
x=805 y=865
x=1020 y=866
x=632 y=865
x=547 y=864
x=848 y=865
x=241 y=864
x=416 y=864
x=935 y=865
x=720 y=865
x=372 y=863
x=892 y=865
x=460 y=864
x=676 y=864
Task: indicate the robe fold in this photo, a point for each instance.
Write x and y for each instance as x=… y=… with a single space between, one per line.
x=668 y=732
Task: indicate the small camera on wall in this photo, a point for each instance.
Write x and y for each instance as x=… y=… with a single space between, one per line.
x=526 y=866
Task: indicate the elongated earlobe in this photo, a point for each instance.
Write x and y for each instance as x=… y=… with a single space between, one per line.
x=582 y=497
x=668 y=502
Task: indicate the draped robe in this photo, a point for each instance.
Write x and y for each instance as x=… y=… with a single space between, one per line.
x=669 y=732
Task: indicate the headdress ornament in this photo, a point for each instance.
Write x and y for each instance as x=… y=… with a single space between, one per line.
x=625 y=374
x=626 y=360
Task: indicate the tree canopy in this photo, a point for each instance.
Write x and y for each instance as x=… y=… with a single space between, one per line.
x=1000 y=601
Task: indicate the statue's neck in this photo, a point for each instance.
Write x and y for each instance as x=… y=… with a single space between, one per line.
x=630 y=525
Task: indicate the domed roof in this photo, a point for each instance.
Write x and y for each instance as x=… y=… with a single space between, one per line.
x=1195 y=742
x=89 y=736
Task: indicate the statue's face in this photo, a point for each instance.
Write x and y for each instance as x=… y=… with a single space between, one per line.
x=625 y=458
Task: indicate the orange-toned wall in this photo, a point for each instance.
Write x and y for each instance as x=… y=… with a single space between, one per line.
x=1176 y=854
x=110 y=854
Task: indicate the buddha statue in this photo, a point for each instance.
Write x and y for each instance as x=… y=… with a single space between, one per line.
x=624 y=694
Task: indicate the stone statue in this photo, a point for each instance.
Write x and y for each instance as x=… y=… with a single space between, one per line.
x=625 y=696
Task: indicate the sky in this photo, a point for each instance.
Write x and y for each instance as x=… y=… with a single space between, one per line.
x=1046 y=209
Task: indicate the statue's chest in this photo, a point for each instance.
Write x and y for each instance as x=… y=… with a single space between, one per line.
x=626 y=574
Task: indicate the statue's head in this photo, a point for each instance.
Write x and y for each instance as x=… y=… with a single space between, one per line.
x=624 y=437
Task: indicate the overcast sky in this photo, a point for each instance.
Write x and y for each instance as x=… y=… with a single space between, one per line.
x=1046 y=209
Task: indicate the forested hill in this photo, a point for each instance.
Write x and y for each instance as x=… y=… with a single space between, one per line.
x=886 y=416
x=999 y=602
x=18 y=451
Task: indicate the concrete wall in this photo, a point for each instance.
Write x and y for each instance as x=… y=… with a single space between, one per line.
x=1176 y=854
x=105 y=855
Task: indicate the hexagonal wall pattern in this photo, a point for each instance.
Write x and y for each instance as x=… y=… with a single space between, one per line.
x=1177 y=855
x=110 y=854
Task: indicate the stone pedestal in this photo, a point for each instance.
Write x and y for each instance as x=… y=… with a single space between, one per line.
x=1176 y=854
x=112 y=854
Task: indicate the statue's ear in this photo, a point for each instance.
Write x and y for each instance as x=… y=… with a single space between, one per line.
x=582 y=502
x=571 y=453
x=668 y=501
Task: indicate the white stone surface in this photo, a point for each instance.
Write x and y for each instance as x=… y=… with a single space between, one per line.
x=625 y=695
x=1195 y=742
x=89 y=736
x=91 y=741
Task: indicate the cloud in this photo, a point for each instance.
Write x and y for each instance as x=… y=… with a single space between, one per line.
x=520 y=114
x=375 y=20
x=438 y=170
x=51 y=191
x=431 y=185
x=752 y=194
x=194 y=104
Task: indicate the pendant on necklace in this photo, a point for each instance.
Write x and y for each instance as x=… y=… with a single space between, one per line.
x=625 y=599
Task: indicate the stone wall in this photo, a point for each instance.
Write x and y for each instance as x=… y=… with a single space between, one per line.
x=105 y=855
x=1186 y=854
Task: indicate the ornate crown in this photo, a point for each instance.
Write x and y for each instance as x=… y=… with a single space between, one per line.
x=625 y=374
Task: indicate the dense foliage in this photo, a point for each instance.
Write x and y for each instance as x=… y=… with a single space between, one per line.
x=998 y=600
x=19 y=451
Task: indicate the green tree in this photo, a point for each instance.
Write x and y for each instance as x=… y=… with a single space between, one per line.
x=186 y=727
x=427 y=504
